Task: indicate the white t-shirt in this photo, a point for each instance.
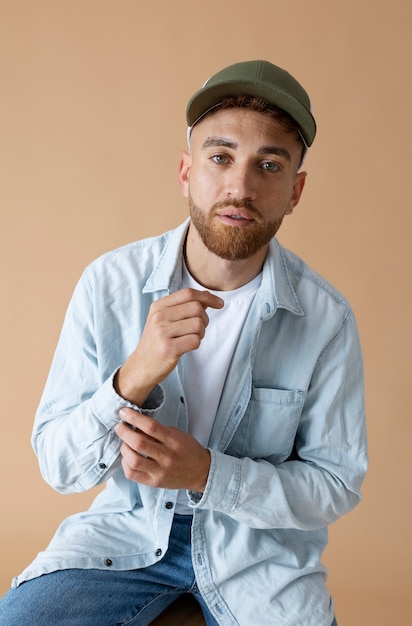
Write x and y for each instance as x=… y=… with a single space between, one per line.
x=205 y=369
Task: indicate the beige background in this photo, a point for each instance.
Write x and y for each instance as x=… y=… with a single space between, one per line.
x=92 y=123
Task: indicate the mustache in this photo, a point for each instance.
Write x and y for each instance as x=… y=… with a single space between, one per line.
x=239 y=204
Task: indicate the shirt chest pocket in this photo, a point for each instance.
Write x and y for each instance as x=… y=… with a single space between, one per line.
x=268 y=427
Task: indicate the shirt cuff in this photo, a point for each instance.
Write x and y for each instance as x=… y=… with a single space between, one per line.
x=106 y=403
x=223 y=484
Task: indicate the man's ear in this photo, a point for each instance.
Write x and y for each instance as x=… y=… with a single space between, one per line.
x=297 y=191
x=184 y=171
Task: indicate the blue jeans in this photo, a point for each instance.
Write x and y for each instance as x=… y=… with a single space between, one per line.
x=77 y=597
x=81 y=597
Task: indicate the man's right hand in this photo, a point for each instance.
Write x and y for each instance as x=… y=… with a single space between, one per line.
x=176 y=324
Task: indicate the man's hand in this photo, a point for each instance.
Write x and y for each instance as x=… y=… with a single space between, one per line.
x=176 y=324
x=161 y=456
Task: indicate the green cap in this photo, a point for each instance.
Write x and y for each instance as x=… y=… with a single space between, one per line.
x=263 y=80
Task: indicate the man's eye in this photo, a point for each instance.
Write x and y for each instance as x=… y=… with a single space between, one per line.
x=219 y=158
x=269 y=166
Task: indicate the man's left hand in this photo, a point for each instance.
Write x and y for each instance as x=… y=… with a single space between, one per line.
x=161 y=456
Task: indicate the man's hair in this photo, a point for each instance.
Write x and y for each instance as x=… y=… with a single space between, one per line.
x=262 y=106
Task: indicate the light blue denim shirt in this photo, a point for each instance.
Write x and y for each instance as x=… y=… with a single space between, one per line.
x=288 y=445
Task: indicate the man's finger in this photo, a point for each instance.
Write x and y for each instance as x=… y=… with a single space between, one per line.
x=143 y=423
x=188 y=294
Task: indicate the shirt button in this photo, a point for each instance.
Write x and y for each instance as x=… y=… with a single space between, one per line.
x=169 y=505
x=182 y=400
x=158 y=552
x=102 y=465
x=108 y=562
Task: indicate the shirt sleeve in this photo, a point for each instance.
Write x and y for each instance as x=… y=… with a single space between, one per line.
x=322 y=479
x=73 y=434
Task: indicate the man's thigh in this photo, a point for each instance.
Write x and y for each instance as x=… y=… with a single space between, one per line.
x=93 y=597
x=77 y=597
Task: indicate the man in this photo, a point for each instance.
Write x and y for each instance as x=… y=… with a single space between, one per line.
x=214 y=381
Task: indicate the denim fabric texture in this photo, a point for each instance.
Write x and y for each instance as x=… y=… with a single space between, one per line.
x=77 y=597
x=288 y=445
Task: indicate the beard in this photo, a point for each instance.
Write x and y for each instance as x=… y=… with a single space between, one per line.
x=230 y=242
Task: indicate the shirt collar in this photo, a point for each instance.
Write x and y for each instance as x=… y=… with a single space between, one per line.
x=277 y=282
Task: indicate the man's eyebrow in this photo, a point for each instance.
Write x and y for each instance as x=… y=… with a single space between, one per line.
x=275 y=150
x=228 y=143
x=219 y=141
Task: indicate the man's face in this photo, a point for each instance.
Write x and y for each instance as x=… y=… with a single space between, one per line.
x=241 y=179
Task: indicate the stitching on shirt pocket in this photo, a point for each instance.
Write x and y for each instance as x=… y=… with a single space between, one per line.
x=268 y=428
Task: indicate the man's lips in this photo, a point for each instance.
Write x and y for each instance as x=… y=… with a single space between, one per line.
x=235 y=216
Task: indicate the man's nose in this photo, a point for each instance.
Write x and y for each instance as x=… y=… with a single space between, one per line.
x=240 y=182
